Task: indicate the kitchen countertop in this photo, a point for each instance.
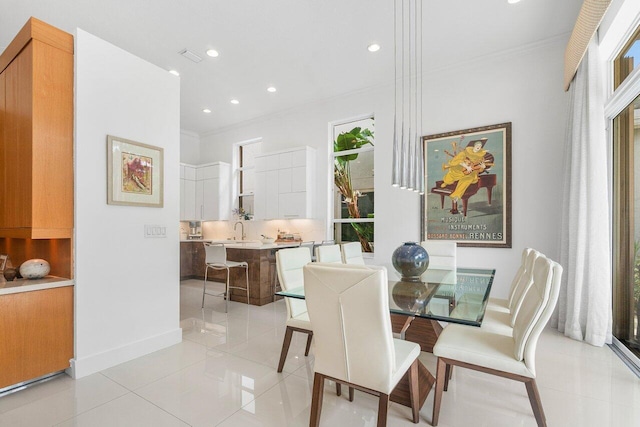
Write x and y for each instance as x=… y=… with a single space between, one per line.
x=28 y=285
x=247 y=244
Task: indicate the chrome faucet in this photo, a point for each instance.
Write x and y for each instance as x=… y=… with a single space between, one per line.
x=244 y=236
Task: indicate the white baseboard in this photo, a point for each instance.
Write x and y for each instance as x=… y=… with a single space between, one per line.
x=95 y=363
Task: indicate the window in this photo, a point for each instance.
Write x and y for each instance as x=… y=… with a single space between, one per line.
x=626 y=288
x=625 y=106
x=627 y=61
x=245 y=173
x=353 y=184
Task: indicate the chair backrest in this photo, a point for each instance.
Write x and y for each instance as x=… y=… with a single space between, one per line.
x=523 y=285
x=442 y=254
x=352 y=253
x=309 y=246
x=537 y=306
x=215 y=253
x=289 y=263
x=349 y=310
x=519 y=273
x=329 y=253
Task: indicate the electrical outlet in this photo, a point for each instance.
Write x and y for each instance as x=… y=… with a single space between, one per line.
x=155 y=231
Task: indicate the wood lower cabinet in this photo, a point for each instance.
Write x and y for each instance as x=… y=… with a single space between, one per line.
x=37 y=334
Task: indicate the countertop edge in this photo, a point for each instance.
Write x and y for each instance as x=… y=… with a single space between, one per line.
x=24 y=285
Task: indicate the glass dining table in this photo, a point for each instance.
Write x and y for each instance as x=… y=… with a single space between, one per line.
x=457 y=295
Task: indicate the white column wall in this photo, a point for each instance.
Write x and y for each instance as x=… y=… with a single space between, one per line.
x=523 y=87
x=127 y=287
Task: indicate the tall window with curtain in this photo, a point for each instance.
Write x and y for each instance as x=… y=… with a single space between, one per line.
x=626 y=177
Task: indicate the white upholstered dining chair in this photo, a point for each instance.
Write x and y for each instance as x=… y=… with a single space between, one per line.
x=352 y=253
x=349 y=310
x=289 y=264
x=329 y=254
x=442 y=254
x=510 y=357
x=216 y=258
x=501 y=315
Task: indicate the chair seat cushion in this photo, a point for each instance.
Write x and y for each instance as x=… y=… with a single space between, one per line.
x=480 y=347
x=497 y=322
x=300 y=321
x=499 y=305
x=406 y=353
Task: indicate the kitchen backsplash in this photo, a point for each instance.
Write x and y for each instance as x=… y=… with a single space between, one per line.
x=308 y=229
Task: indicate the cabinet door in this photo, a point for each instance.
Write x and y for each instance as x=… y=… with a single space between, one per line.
x=260 y=196
x=298 y=179
x=284 y=180
x=293 y=205
x=188 y=200
x=189 y=173
x=210 y=202
x=16 y=182
x=272 y=200
x=199 y=196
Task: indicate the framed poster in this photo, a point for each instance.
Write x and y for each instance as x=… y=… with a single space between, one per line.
x=467 y=194
x=134 y=173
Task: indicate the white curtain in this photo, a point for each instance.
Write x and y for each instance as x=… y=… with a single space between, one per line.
x=584 y=307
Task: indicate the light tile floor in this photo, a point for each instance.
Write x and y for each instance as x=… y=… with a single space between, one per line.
x=224 y=374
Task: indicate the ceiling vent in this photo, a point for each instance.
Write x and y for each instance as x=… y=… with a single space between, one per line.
x=190 y=56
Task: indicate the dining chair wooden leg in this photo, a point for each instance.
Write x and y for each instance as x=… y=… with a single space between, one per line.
x=309 y=337
x=338 y=389
x=383 y=407
x=414 y=391
x=447 y=376
x=316 y=400
x=536 y=403
x=285 y=347
x=437 y=397
x=351 y=392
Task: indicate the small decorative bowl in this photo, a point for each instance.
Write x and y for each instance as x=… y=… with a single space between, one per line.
x=267 y=240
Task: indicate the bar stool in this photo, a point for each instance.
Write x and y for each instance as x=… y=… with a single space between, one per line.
x=216 y=258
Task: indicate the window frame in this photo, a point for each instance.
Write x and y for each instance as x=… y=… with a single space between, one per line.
x=331 y=219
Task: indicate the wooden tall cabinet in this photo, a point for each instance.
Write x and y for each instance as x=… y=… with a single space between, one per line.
x=36 y=147
x=36 y=136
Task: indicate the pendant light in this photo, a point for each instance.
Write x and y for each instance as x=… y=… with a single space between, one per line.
x=408 y=163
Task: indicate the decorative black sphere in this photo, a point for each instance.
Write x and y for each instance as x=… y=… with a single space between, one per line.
x=410 y=260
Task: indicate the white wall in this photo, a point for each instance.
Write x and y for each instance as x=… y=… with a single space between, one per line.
x=127 y=287
x=523 y=87
x=189 y=147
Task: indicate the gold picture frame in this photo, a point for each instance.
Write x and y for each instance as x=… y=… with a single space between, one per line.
x=467 y=195
x=135 y=173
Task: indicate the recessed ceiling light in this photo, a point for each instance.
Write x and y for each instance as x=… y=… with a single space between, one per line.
x=174 y=72
x=513 y=1
x=213 y=53
x=235 y=102
x=206 y=110
x=271 y=89
x=373 y=47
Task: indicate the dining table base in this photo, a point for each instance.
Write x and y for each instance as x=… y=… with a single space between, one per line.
x=400 y=394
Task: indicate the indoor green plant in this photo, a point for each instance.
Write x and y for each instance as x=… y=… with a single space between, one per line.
x=354 y=139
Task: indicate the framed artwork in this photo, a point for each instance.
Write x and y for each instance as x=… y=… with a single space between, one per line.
x=134 y=173
x=467 y=194
x=3 y=261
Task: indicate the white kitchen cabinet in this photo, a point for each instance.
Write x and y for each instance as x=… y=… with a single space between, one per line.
x=187 y=192
x=204 y=192
x=285 y=184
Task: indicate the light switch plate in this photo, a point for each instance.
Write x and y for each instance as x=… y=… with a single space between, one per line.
x=155 y=231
